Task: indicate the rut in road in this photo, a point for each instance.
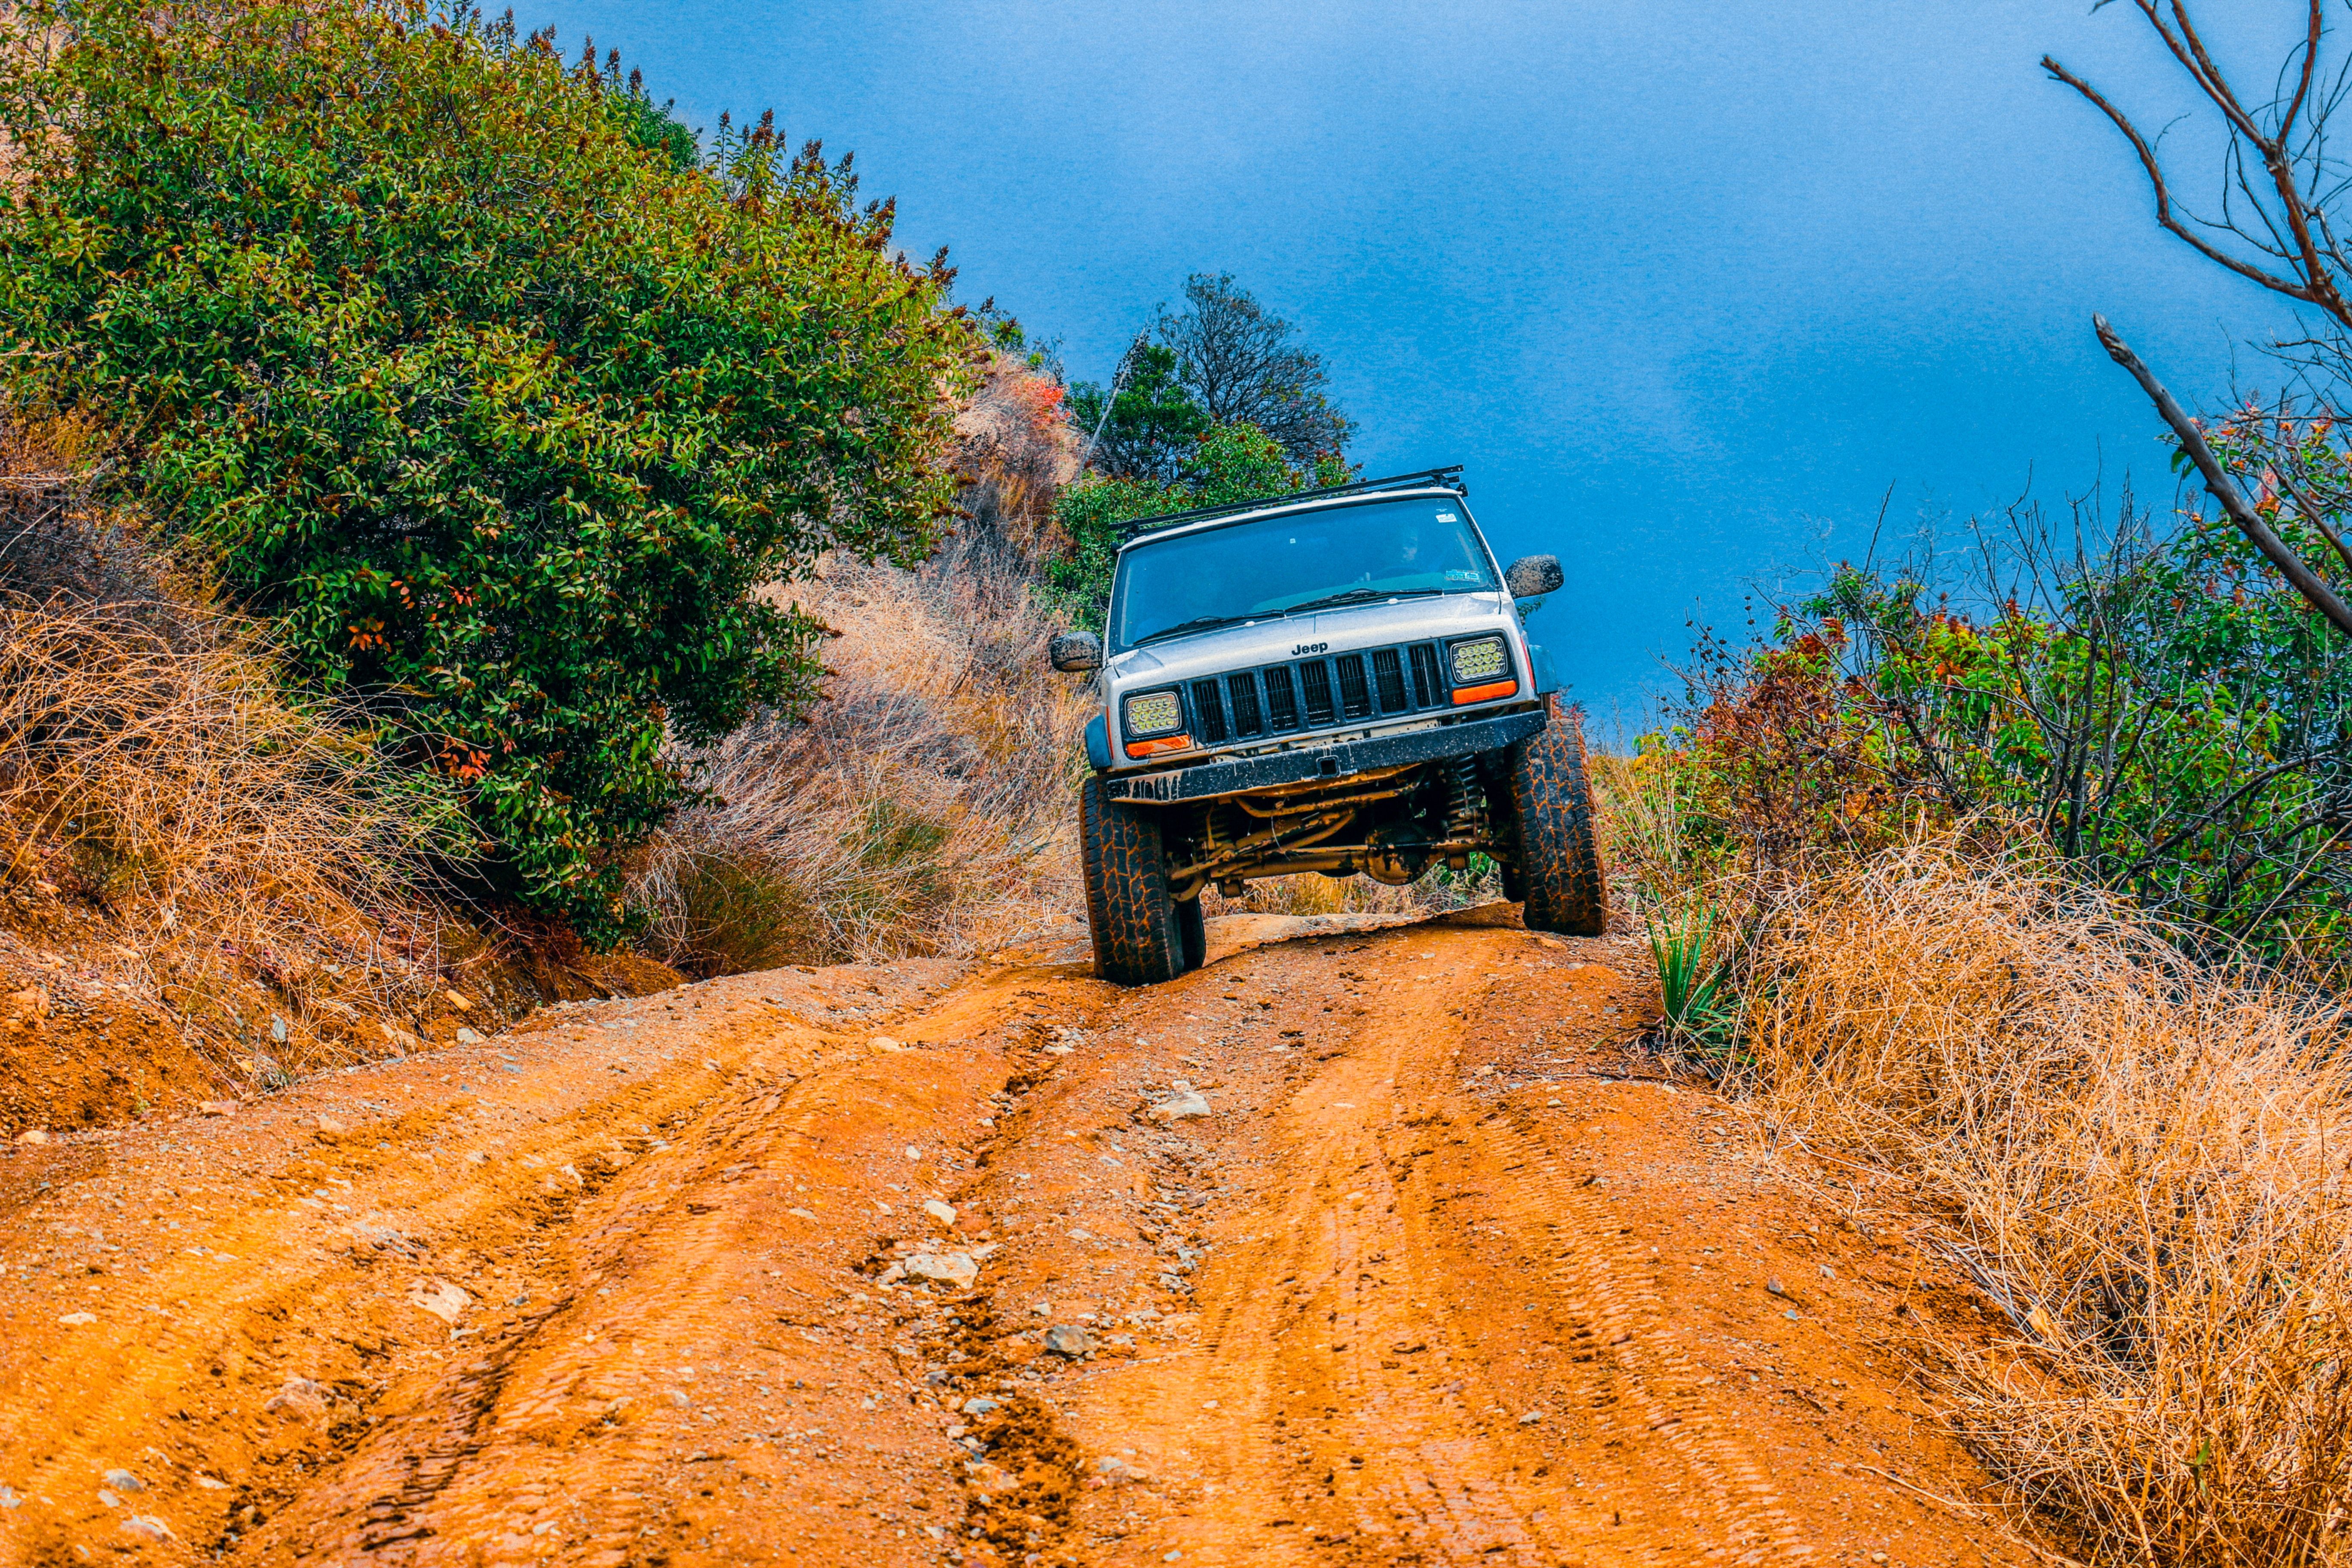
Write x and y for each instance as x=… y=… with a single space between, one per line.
x=1436 y=1281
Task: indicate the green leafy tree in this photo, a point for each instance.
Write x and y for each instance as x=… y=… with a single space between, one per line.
x=1154 y=424
x=1222 y=360
x=1244 y=366
x=455 y=362
x=1230 y=463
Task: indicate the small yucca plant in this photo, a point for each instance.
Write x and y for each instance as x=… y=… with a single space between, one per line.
x=1693 y=984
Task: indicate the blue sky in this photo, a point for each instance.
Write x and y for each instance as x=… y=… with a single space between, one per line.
x=1687 y=286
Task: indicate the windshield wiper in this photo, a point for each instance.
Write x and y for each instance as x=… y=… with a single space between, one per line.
x=1197 y=624
x=1360 y=597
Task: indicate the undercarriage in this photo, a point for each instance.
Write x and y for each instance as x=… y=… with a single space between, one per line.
x=1391 y=825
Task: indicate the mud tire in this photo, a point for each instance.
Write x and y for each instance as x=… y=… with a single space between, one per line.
x=1551 y=799
x=1143 y=936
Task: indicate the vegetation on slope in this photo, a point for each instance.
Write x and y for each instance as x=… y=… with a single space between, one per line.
x=451 y=365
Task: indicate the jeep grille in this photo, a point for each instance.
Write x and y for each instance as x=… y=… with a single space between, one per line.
x=1315 y=693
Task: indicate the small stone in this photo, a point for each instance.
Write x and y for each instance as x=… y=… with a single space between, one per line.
x=440 y=1297
x=124 y=1480
x=212 y=1483
x=216 y=1108
x=955 y=1269
x=913 y=1152
x=978 y=1406
x=299 y=1400
x=944 y=1213
x=467 y=1036
x=1791 y=1314
x=1878 y=1557
x=277 y=1029
x=1068 y=1340
x=883 y=1044
x=1828 y=1272
x=459 y=1000
x=148 y=1527
x=1774 y=1287
x=799 y=1214
x=32 y=1135
x=1184 y=1101
x=679 y=1397
x=399 y=1039
x=1531 y=1417
x=329 y=1129
x=1042 y=1308
x=109 y=1499
x=75 y=1319
x=9 y=1498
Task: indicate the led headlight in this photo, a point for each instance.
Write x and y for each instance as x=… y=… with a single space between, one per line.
x=1479 y=661
x=1152 y=714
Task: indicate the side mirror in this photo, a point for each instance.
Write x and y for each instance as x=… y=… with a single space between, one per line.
x=1530 y=575
x=1074 y=652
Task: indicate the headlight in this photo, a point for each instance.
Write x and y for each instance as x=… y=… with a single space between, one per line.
x=1480 y=660
x=1152 y=714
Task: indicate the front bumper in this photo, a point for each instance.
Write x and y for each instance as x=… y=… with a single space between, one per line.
x=1337 y=760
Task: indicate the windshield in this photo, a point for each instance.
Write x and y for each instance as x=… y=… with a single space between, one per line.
x=1253 y=571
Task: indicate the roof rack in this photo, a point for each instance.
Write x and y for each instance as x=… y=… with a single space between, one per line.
x=1448 y=478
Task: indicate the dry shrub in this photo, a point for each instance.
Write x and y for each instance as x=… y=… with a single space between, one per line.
x=245 y=855
x=214 y=820
x=2142 y=1161
x=927 y=806
x=1642 y=807
x=929 y=803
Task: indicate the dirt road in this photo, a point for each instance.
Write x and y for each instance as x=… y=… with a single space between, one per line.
x=924 y=1262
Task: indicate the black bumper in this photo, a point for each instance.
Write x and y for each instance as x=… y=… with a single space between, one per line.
x=1336 y=760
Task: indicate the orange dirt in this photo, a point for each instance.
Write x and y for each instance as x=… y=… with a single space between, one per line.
x=1433 y=1282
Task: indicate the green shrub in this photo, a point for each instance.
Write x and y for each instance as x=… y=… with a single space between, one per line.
x=455 y=362
x=2166 y=716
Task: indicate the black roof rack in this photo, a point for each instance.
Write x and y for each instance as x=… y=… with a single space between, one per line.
x=1448 y=479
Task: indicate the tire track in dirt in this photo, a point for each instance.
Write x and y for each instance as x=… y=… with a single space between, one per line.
x=1314 y=1318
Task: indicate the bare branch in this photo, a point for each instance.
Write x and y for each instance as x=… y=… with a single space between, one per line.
x=2164 y=213
x=2292 y=567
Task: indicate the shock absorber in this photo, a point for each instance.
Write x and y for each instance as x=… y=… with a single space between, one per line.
x=1465 y=808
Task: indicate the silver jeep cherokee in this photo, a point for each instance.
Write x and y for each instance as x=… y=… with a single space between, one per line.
x=1338 y=681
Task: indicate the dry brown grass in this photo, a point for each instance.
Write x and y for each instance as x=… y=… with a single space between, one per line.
x=1310 y=894
x=227 y=833
x=2141 y=1161
x=927 y=805
x=171 y=819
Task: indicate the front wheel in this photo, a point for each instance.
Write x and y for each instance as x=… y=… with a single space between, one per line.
x=1142 y=935
x=1560 y=859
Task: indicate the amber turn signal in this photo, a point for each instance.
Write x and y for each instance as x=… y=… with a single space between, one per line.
x=1462 y=694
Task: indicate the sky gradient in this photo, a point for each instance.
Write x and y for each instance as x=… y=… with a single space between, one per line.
x=1688 y=287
